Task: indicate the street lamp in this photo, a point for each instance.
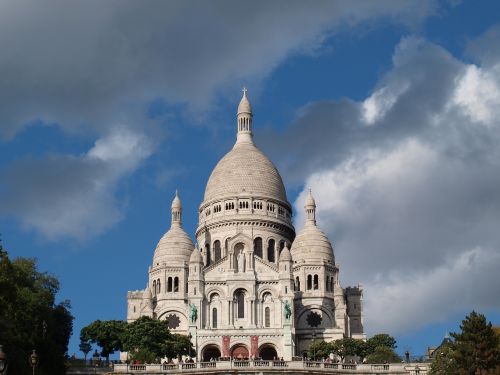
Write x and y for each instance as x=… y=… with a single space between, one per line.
x=34 y=360
x=314 y=346
x=3 y=361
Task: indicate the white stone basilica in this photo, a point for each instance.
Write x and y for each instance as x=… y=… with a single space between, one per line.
x=253 y=288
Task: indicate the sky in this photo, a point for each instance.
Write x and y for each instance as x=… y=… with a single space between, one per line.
x=389 y=111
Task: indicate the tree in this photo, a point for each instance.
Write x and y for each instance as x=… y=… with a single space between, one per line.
x=146 y=339
x=444 y=362
x=381 y=339
x=476 y=348
x=383 y=354
x=345 y=347
x=107 y=334
x=30 y=318
x=179 y=345
x=319 y=349
x=85 y=347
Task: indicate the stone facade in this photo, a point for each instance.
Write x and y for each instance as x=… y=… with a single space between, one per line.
x=255 y=288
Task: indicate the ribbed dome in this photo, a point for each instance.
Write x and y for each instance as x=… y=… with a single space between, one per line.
x=312 y=244
x=245 y=169
x=174 y=246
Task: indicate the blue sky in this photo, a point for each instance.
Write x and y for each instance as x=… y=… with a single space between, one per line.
x=388 y=110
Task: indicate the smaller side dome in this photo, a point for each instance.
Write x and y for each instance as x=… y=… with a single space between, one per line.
x=195 y=256
x=285 y=255
x=311 y=244
x=175 y=246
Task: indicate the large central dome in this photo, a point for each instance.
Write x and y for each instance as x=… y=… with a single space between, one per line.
x=245 y=169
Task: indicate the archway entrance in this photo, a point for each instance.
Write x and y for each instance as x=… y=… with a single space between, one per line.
x=210 y=351
x=268 y=352
x=239 y=351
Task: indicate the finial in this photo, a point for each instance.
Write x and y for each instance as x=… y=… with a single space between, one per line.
x=244 y=91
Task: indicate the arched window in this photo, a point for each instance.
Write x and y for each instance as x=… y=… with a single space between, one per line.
x=316 y=283
x=240 y=301
x=154 y=287
x=169 y=284
x=217 y=254
x=309 y=282
x=270 y=251
x=158 y=285
x=257 y=247
x=176 y=284
x=297 y=283
x=327 y=285
x=332 y=281
x=207 y=252
x=194 y=292
x=214 y=318
x=267 y=317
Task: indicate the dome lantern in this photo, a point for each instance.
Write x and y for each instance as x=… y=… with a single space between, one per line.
x=310 y=208
x=176 y=210
x=244 y=120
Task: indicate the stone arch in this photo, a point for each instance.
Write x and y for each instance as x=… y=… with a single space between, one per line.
x=265 y=290
x=214 y=289
x=239 y=350
x=268 y=352
x=209 y=351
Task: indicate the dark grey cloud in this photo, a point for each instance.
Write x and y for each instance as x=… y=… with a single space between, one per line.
x=80 y=64
x=407 y=185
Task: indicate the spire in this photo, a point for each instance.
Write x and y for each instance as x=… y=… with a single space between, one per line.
x=176 y=210
x=244 y=120
x=310 y=208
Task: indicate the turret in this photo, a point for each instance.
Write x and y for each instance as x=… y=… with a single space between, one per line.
x=285 y=270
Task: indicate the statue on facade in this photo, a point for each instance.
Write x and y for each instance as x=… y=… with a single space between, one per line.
x=193 y=313
x=241 y=262
x=287 y=310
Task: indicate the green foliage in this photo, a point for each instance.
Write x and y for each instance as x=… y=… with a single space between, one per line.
x=381 y=339
x=383 y=354
x=107 y=334
x=146 y=339
x=179 y=345
x=476 y=347
x=85 y=347
x=345 y=347
x=319 y=349
x=444 y=362
x=31 y=319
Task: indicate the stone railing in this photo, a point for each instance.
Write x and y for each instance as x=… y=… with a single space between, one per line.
x=258 y=366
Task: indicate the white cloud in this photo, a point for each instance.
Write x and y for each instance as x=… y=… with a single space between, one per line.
x=478 y=94
x=61 y=196
x=411 y=202
x=400 y=302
